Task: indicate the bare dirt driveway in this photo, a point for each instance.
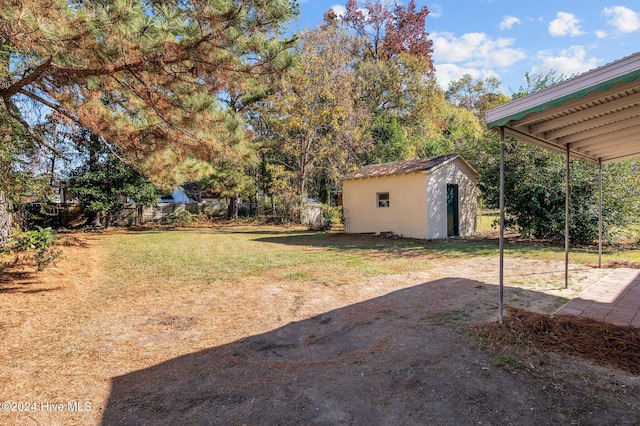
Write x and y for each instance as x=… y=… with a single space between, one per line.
x=388 y=349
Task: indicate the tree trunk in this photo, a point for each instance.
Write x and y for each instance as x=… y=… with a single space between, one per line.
x=140 y=219
x=94 y=219
x=5 y=219
x=257 y=192
x=232 y=211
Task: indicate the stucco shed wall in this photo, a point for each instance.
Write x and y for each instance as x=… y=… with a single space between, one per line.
x=406 y=214
x=456 y=173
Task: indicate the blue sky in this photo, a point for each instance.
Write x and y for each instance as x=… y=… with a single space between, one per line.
x=508 y=38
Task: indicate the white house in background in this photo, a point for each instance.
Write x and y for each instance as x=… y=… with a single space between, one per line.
x=177 y=196
x=425 y=198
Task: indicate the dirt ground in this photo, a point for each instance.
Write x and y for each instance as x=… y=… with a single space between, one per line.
x=393 y=349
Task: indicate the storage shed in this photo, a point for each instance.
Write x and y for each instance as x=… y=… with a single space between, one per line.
x=425 y=198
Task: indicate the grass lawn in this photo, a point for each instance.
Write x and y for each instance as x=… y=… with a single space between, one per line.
x=174 y=258
x=208 y=255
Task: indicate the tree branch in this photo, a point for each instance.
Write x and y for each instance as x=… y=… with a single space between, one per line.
x=11 y=110
x=15 y=87
x=51 y=105
x=87 y=72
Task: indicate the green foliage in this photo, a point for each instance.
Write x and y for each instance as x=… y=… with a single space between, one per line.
x=535 y=178
x=535 y=187
x=178 y=218
x=535 y=192
x=146 y=76
x=104 y=184
x=21 y=178
x=332 y=214
x=475 y=95
x=315 y=125
x=214 y=213
x=344 y=107
x=537 y=82
x=230 y=180
x=328 y=216
x=621 y=204
x=388 y=142
x=406 y=106
x=39 y=241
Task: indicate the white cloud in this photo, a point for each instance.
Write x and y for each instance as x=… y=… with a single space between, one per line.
x=508 y=22
x=435 y=10
x=622 y=18
x=573 y=60
x=565 y=24
x=339 y=10
x=475 y=50
x=601 y=34
x=446 y=73
x=476 y=54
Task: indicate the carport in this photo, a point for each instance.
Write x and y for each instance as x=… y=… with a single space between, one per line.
x=593 y=117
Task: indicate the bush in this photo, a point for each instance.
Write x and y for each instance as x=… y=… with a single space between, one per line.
x=215 y=213
x=328 y=216
x=178 y=218
x=332 y=215
x=40 y=241
x=244 y=211
x=535 y=195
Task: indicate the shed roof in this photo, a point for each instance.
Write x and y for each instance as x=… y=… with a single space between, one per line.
x=596 y=114
x=402 y=167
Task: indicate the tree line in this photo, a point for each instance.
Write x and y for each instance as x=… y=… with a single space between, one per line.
x=131 y=97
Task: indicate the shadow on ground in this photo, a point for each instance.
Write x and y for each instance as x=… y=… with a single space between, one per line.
x=395 y=359
x=614 y=299
x=19 y=281
x=475 y=245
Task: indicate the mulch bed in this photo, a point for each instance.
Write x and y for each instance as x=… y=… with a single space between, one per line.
x=622 y=264
x=600 y=342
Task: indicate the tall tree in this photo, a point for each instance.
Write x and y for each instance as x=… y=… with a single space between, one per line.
x=396 y=72
x=388 y=31
x=230 y=180
x=535 y=178
x=316 y=122
x=103 y=183
x=621 y=203
x=537 y=82
x=406 y=33
x=145 y=76
x=476 y=95
x=20 y=174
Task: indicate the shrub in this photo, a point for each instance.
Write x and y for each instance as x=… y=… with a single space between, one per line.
x=332 y=214
x=178 y=218
x=215 y=213
x=40 y=241
x=328 y=216
x=244 y=211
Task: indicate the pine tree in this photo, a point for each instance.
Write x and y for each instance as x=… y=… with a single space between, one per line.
x=147 y=77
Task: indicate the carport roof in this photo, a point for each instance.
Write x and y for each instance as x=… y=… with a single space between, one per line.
x=596 y=114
